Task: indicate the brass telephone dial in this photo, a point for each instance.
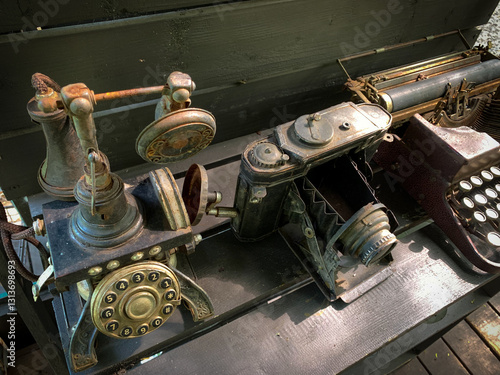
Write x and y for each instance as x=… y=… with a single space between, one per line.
x=135 y=300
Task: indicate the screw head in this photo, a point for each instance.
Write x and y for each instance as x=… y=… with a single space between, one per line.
x=114 y=264
x=155 y=250
x=309 y=232
x=315 y=117
x=95 y=271
x=345 y=126
x=137 y=256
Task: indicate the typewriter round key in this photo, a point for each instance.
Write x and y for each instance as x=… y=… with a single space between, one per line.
x=156 y=322
x=126 y=332
x=107 y=313
x=491 y=214
x=110 y=298
x=467 y=203
x=487 y=176
x=465 y=186
x=153 y=276
x=121 y=285
x=142 y=330
x=495 y=171
x=166 y=283
x=112 y=326
x=491 y=194
x=479 y=217
x=493 y=239
x=480 y=199
x=476 y=181
x=138 y=277
x=167 y=309
x=170 y=295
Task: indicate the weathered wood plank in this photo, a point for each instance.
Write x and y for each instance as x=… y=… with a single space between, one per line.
x=495 y=302
x=473 y=353
x=414 y=367
x=439 y=359
x=486 y=322
x=27 y=15
x=285 y=51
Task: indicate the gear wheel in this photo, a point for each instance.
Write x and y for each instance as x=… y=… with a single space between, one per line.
x=267 y=155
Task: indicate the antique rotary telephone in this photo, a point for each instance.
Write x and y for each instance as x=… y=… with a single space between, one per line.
x=118 y=244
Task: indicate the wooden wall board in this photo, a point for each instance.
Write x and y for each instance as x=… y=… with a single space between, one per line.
x=285 y=51
x=439 y=359
x=473 y=353
x=486 y=322
x=28 y=14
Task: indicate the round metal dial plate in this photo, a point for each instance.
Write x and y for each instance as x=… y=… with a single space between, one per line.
x=135 y=300
x=176 y=136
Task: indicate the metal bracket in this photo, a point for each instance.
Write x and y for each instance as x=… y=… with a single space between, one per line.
x=197 y=300
x=82 y=344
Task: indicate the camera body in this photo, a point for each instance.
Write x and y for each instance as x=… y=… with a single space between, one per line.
x=309 y=181
x=270 y=165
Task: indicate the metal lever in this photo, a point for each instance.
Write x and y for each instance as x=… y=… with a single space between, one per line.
x=214 y=199
x=92 y=159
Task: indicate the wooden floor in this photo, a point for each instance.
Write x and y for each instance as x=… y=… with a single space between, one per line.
x=471 y=347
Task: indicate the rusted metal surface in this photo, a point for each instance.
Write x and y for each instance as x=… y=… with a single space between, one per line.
x=127 y=93
x=398 y=46
x=178 y=131
x=170 y=199
x=64 y=161
x=413 y=74
x=398 y=72
x=195 y=193
x=176 y=136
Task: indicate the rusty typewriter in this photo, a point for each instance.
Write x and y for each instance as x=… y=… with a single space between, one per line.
x=444 y=146
x=118 y=246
